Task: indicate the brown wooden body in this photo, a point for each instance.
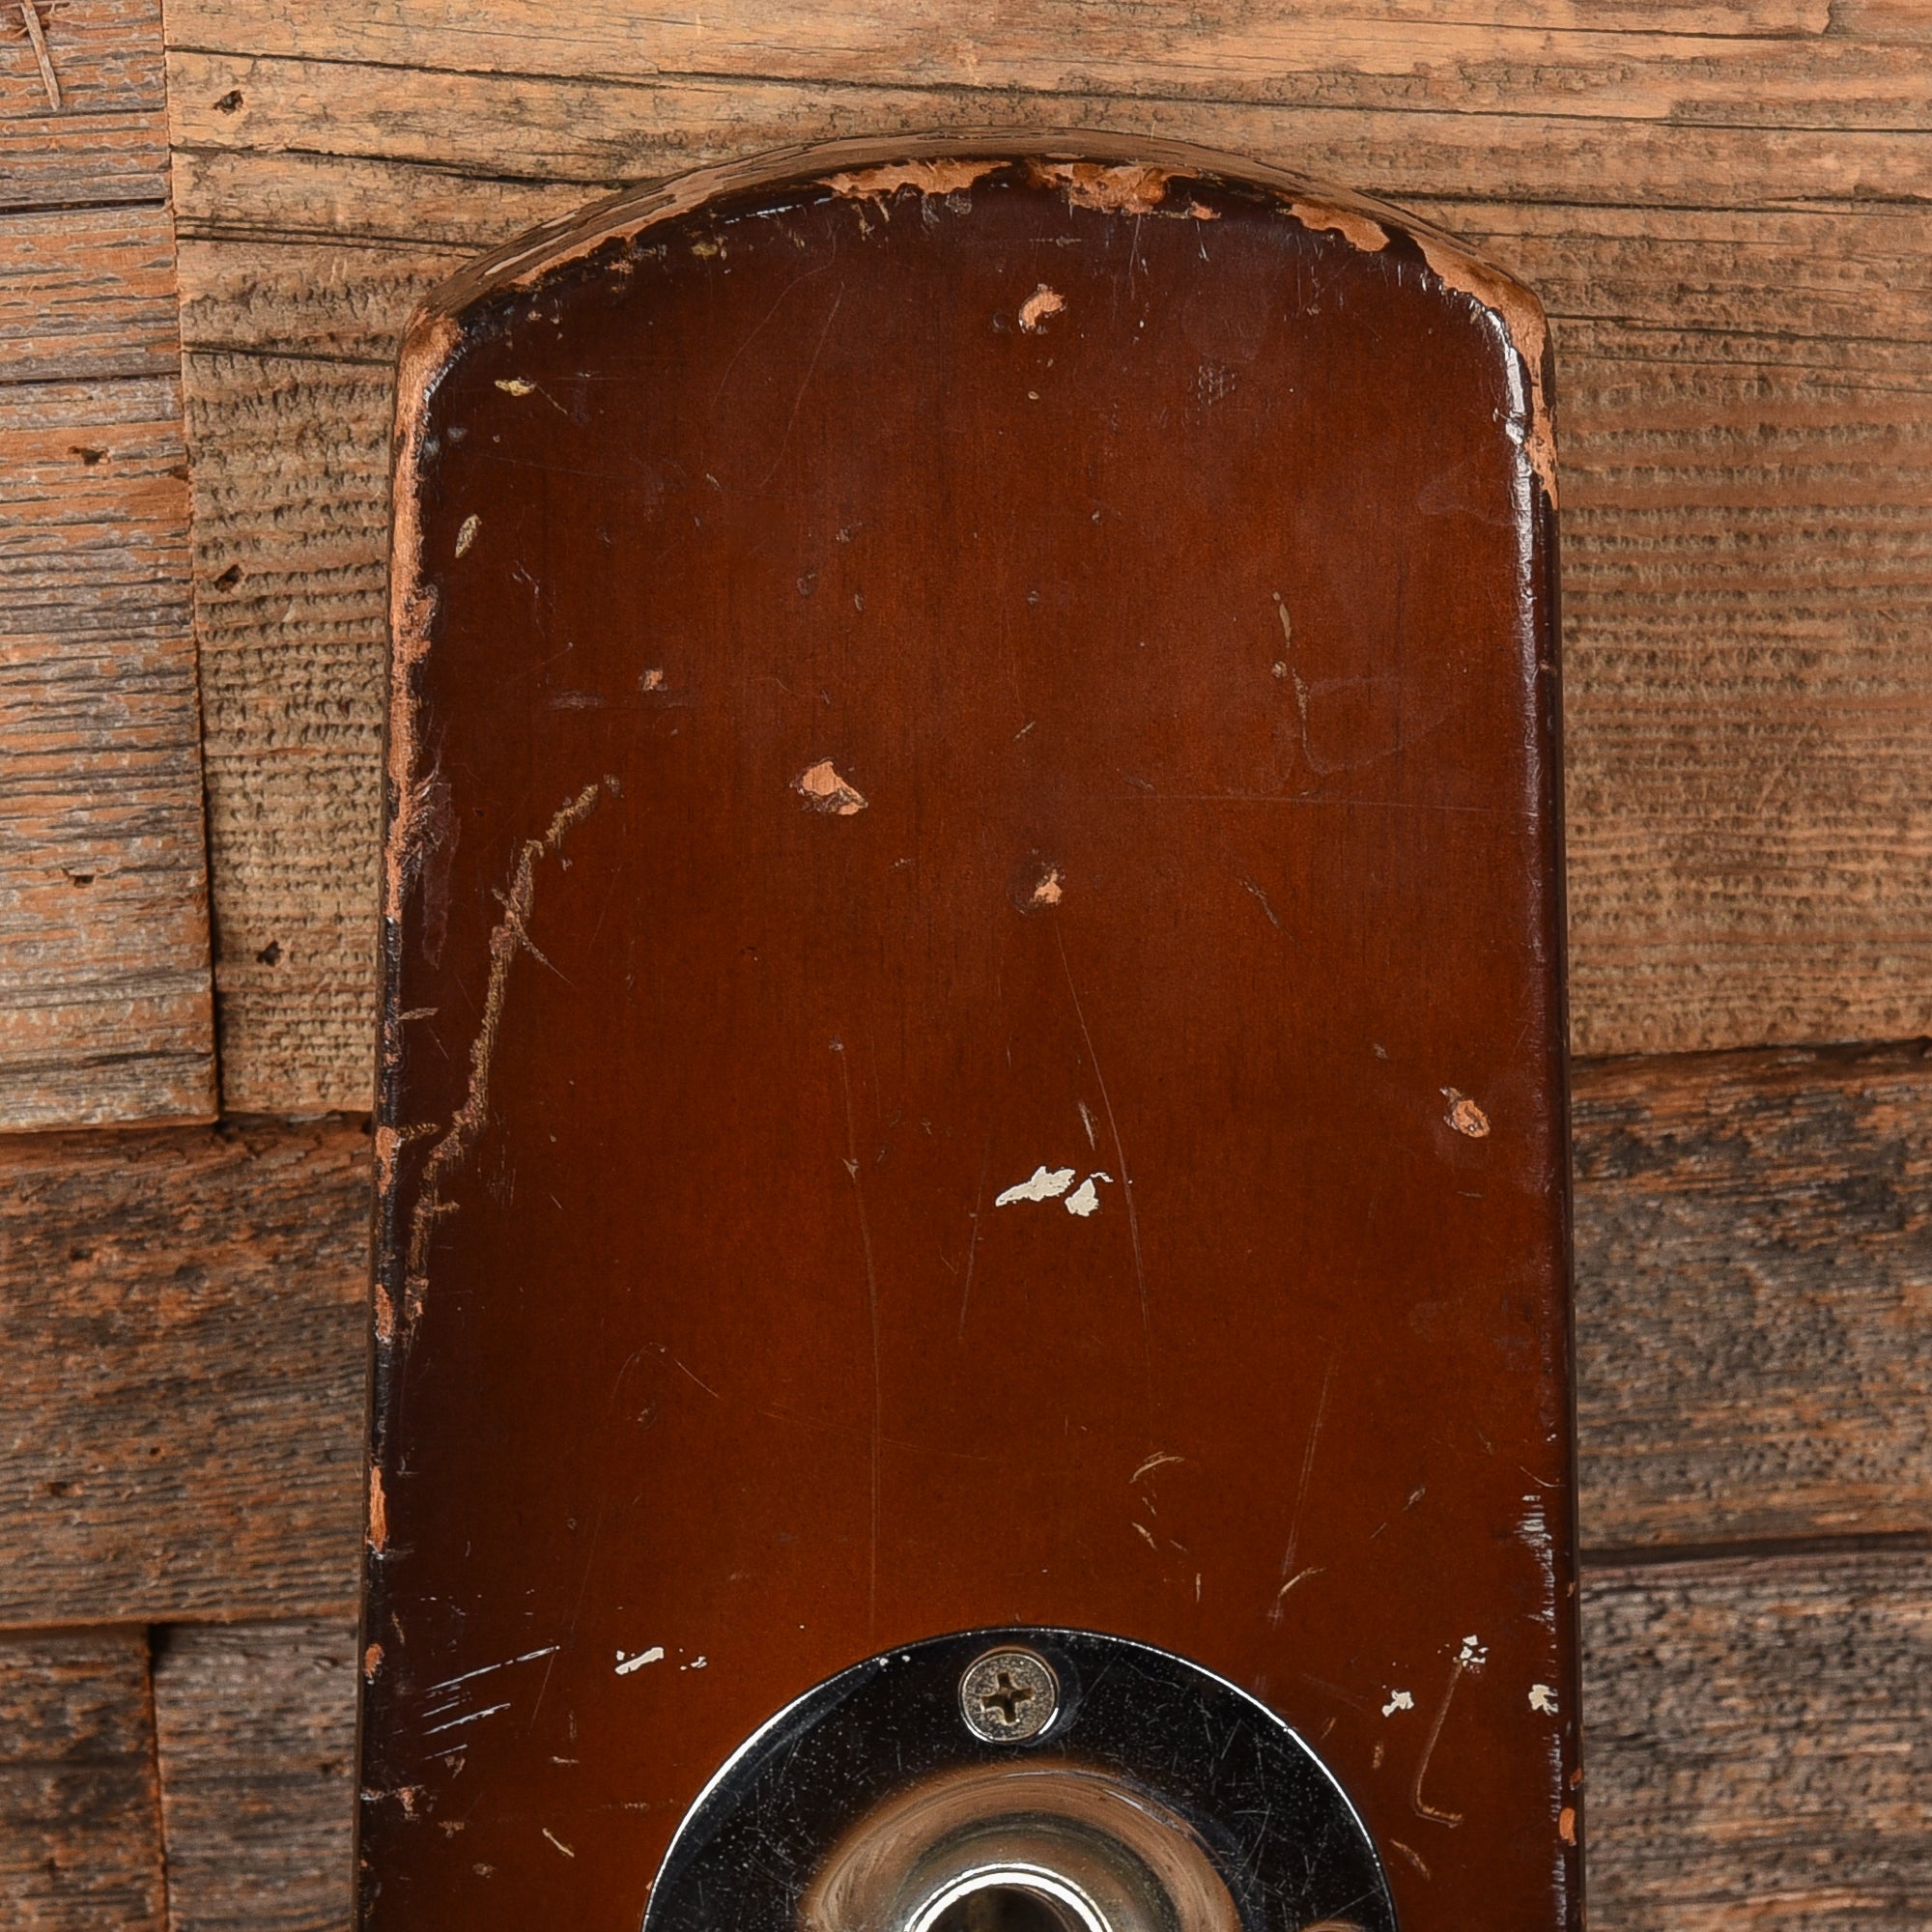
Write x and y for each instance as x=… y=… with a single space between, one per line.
x=907 y=673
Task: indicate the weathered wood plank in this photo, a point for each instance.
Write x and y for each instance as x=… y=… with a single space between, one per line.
x=1753 y=1267
x=1710 y=65
x=108 y=144
x=80 y=1817
x=257 y=1731
x=105 y=998
x=601 y=130
x=184 y=1313
x=1758 y=1739
x=1753 y=1241
x=1758 y=1736
x=86 y=292
x=1740 y=287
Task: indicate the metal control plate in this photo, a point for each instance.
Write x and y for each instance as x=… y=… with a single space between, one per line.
x=865 y=1801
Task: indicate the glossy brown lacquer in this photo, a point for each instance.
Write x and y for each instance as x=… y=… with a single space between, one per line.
x=908 y=674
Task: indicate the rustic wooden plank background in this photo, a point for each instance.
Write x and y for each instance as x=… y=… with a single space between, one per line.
x=1726 y=209
x=104 y=987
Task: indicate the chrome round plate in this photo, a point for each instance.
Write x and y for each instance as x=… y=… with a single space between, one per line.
x=1157 y=1797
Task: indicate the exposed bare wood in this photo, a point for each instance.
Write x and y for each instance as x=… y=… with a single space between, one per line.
x=184 y=1312
x=79 y=1819
x=1734 y=252
x=257 y=1728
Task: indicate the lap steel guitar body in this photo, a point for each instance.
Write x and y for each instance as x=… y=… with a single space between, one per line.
x=970 y=1319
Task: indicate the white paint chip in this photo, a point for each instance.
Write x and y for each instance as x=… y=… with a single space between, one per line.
x=627 y=1664
x=1399 y=1700
x=467 y=536
x=1046 y=1184
x=1542 y=1698
x=1473 y=1654
x=1085 y=1200
x=515 y=385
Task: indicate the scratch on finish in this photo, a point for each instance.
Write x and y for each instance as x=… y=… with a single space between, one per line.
x=804 y=382
x=872 y=1315
x=558 y=1843
x=1126 y=1173
x=1261 y=898
x=972 y=1246
x=1468 y=1658
x=1289 y=1578
x=490 y=1669
x=1160 y=1459
x=467 y=1717
x=1413 y=1856
x=510 y=937
x=1299 y=1576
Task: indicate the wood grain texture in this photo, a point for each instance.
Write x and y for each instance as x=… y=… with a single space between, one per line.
x=80 y=1817
x=1724 y=211
x=1752 y=1266
x=1759 y=1753
x=1754 y=1239
x=257 y=1731
x=105 y=1004
x=184 y=1313
x=108 y=142
x=1760 y=1744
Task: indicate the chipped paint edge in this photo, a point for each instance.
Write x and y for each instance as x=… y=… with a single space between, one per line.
x=1523 y=324
x=1109 y=173
x=938 y=176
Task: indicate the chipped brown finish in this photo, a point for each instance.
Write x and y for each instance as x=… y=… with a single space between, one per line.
x=257 y=1733
x=510 y=940
x=935 y=177
x=1523 y=321
x=183 y=1313
x=80 y=1847
x=426 y=350
x=922 y=748
x=1764 y=1212
x=1753 y=1264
